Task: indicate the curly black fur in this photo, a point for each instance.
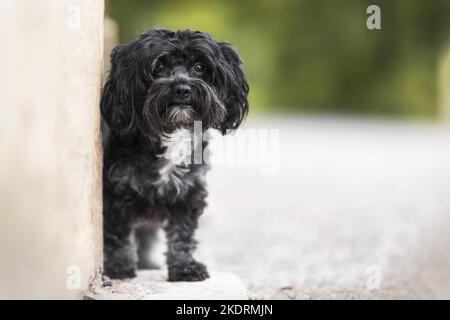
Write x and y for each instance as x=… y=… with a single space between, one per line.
x=160 y=83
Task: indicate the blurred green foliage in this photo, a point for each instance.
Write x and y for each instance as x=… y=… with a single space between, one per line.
x=317 y=55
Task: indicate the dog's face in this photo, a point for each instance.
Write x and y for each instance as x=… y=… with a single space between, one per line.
x=165 y=80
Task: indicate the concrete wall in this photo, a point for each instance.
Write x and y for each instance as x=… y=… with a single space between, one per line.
x=50 y=156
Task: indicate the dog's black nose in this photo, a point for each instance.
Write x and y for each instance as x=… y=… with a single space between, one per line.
x=182 y=92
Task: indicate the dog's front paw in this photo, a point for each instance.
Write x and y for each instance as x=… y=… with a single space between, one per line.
x=188 y=271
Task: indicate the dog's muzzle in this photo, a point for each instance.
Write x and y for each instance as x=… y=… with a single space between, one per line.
x=181 y=114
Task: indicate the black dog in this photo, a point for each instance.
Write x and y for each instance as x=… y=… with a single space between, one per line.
x=158 y=86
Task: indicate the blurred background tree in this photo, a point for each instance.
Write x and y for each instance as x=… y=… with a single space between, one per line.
x=316 y=55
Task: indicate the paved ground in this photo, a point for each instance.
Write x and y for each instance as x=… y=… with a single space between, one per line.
x=153 y=285
x=354 y=205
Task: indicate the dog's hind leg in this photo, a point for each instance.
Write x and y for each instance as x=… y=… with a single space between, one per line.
x=146 y=236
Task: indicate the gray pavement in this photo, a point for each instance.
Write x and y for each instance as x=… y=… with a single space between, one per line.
x=357 y=209
x=153 y=285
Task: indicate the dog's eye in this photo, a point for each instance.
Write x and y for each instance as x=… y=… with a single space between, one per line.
x=159 y=67
x=199 y=68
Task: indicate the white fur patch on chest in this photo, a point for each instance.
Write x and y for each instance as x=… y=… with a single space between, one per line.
x=176 y=158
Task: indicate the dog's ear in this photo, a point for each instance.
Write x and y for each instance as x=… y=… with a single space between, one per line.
x=119 y=92
x=235 y=88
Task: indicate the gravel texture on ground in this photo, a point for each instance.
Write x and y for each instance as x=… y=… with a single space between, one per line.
x=153 y=285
